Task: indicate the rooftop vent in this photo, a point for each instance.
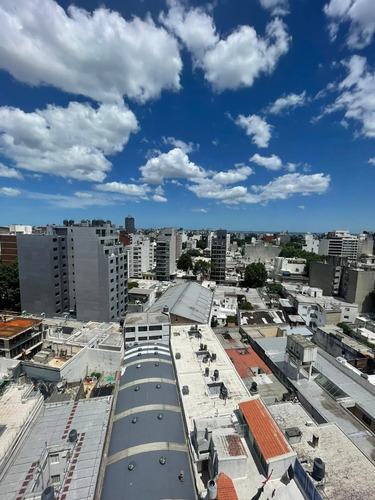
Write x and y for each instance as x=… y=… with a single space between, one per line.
x=185 y=390
x=73 y=436
x=178 y=355
x=319 y=469
x=48 y=493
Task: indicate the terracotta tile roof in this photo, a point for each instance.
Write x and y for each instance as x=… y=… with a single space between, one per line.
x=225 y=488
x=268 y=436
x=244 y=362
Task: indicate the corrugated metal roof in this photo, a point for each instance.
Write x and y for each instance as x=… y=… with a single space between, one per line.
x=267 y=435
x=190 y=300
x=147 y=449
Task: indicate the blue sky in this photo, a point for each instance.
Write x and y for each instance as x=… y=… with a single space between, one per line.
x=247 y=115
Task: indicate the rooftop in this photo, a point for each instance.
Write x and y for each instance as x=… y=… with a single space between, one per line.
x=77 y=463
x=190 y=301
x=154 y=318
x=247 y=362
x=266 y=317
x=349 y=474
x=16 y=325
x=269 y=439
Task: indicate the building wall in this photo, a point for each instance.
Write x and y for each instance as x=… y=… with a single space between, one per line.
x=8 y=248
x=218 y=256
x=43 y=273
x=261 y=252
x=322 y=275
x=357 y=286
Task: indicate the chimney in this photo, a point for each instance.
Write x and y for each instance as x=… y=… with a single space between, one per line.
x=315 y=441
x=212 y=489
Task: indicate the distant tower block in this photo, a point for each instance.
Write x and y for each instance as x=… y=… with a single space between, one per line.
x=129 y=224
x=301 y=353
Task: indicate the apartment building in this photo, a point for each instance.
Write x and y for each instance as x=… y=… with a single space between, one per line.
x=344 y=244
x=218 y=256
x=82 y=271
x=165 y=254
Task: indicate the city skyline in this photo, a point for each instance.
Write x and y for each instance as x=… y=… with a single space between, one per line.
x=188 y=113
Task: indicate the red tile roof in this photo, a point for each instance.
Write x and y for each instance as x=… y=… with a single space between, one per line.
x=225 y=488
x=244 y=362
x=267 y=435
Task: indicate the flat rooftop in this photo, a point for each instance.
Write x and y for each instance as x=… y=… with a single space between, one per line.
x=15 y=326
x=190 y=370
x=329 y=409
x=15 y=410
x=266 y=317
x=50 y=430
x=349 y=474
x=148 y=318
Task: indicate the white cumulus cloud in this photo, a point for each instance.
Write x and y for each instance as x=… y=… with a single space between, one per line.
x=290 y=184
x=276 y=7
x=285 y=102
x=174 y=164
x=69 y=142
x=272 y=162
x=10 y=173
x=232 y=62
x=187 y=147
x=356 y=96
x=234 y=175
x=360 y=14
x=138 y=190
x=372 y=161
x=256 y=127
x=100 y=54
x=7 y=191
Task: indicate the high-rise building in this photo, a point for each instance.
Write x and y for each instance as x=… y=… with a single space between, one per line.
x=343 y=244
x=218 y=256
x=129 y=224
x=81 y=271
x=165 y=254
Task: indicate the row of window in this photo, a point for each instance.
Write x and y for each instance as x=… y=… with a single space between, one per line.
x=151 y=337
x=151 y=328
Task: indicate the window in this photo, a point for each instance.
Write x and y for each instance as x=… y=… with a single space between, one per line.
x=130 y=329
x=155 y=337
x=55 y=258
x=55 y=249
x=366 y=419
x=142 y=328
x=55 y=267
x=54 y=240
x=142 y=338
x=55 y=479
x=54 y=458
x=130 y=339
x=346 y=317
x=154 y=328
x=56 y=275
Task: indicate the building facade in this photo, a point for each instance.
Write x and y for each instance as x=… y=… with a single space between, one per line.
x=218 y=256
x=165 y=254
x=129 y=224
x=82 y=271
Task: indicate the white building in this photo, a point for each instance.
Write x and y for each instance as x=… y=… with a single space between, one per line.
x=311 y=243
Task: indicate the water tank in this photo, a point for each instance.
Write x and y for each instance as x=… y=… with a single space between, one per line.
x=207 y=371
x=212 y=489
x=254 y=387
x=165 y=309
x=73 y=436
x=216 y=374
x=48 y=493
x=319 y=469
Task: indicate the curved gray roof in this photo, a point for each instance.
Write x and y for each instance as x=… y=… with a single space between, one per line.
x=190 y=300
x=147 y=448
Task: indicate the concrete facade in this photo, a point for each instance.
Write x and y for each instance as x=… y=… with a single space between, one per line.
x=78 y=270
x=165 y=254
x=357 y=285
x=218 y=256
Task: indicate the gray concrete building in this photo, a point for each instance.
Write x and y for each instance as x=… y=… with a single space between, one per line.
x=81 y=271
x=357 y=285
x=166 y=254
x=218 y=256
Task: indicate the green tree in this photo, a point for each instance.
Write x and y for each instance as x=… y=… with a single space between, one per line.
x=194 y=252
x=201 y=244
x=202 y=267
x=10 y=298
x=185 y=262
x=133 y=284
x=255 y=275
x=247 y=306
